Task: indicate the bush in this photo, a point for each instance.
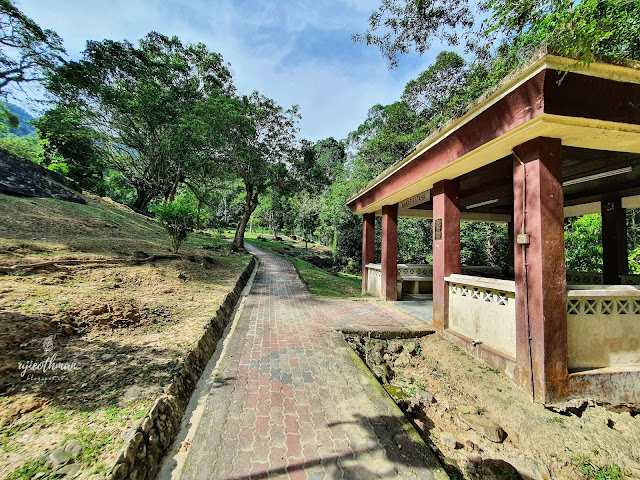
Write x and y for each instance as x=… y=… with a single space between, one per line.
x=178 y=219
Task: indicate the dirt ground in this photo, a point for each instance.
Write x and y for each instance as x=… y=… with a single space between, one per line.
x=482 y=426
x=115 y=333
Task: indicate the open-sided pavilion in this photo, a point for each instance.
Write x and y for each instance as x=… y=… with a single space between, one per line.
x=553 y=140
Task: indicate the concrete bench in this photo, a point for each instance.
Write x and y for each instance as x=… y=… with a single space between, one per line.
x=416 y=278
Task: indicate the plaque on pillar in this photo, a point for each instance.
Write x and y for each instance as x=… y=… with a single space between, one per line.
x=437 y=229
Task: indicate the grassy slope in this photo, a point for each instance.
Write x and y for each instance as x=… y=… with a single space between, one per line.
x=320 y=282
x=174 y=299
x=36 y=226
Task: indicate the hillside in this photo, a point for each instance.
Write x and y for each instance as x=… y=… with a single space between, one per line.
x=126 y=327
x=24 y=128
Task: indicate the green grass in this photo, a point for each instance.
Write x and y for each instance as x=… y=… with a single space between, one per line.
x=593 y=471
x=319 y=281
x=29 y=470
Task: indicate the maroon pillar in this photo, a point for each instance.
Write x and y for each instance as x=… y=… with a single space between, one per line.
x=541 y=299
x=368 y=245
x=446 y=245
x=390 y=252
x=615 y=260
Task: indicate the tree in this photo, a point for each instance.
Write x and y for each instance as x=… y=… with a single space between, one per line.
x=305 y=207
x=582 y=29
x=330 y=156
x=26 y=50
x=413 y=24
x=430 y=94
x=583 y=243
x=179 y=218
x=144 y=102
x=386 y=136
x=67 y=140
x=261 y=151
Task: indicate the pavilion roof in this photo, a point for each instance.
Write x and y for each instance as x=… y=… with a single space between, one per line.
x=594 y=108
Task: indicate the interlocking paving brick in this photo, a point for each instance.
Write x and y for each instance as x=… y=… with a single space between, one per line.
x=290 y=402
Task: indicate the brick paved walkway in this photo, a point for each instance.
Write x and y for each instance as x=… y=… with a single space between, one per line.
x=291 y=402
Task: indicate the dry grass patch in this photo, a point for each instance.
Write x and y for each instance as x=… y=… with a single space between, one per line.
x=124 y=328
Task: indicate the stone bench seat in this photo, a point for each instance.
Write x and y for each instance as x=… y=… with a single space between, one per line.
x=411 y=283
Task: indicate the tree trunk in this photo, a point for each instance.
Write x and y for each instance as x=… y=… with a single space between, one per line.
x=250 y=205
x=143 y=197
x=272 y=226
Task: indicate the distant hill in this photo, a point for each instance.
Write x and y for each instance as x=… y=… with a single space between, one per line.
x=24 y=128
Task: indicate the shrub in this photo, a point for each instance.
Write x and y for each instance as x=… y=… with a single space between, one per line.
x=178 y=219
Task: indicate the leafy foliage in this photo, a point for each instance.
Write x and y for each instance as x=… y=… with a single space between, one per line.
x=178 y=218
x=583 y=29
x=142 y=102
x=408 y=24
x=583 y=243
x=26 y=50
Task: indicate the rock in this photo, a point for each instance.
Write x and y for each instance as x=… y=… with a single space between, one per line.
x=147 y=424
x=153 y=437
x=410 y=348
x=131 y=443
x=74 y=448
x=409 y=405
x=532 y=468
x=99 y=310
x=68 y=470
x=386 y=357
x=27 y=179
x=495 y=469
x=387 y=372
x=469 y=467
x=394 y=347
x=403 y=360
x=142 y=451
x=466 y=409
x=59 y=457
x=573 y=407
x=376 y=358
x=119 y=471
x=426 y=398
x=483 y=426
x=164 y=439
x=449 y=440
x=107 y=357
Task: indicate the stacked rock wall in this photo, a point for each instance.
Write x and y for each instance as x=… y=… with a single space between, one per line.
x=146 y=445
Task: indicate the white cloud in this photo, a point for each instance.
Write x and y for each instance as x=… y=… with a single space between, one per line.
x=259 y=39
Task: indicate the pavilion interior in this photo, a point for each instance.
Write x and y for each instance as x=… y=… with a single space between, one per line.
x=486 y=194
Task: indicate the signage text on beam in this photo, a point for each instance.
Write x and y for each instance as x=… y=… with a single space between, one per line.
x=414 y=200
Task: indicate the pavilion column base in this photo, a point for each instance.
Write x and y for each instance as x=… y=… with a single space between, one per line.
x=540 y=274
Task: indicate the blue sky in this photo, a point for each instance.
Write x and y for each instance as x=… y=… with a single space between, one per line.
x=294 y=51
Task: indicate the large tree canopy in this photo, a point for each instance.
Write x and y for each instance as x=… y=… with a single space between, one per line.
x=142 y=101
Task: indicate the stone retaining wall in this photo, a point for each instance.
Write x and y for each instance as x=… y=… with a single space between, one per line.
x=146 y=445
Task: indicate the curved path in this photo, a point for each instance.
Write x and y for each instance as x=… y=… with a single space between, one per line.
x=290 y=399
